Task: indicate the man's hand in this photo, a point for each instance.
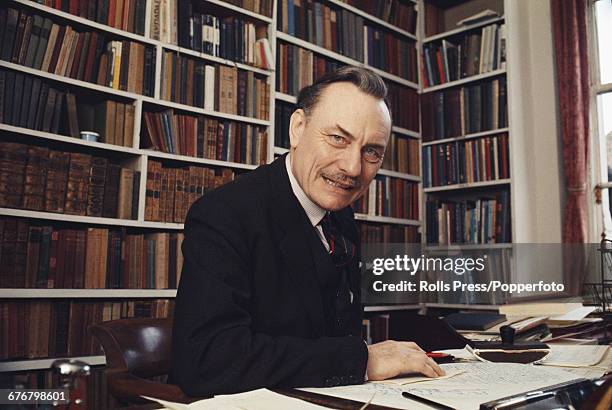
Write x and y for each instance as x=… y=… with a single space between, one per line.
x=390 y=358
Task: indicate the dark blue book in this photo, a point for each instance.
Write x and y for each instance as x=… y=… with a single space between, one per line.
x=474 y=320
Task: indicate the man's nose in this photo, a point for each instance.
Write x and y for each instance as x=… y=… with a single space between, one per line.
x=350 y=162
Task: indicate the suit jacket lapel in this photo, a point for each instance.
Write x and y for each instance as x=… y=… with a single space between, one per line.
x=296 y=245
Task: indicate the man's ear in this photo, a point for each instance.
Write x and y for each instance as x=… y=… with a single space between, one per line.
x=297 y=123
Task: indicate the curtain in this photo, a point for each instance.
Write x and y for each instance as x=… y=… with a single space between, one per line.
x=571 y=52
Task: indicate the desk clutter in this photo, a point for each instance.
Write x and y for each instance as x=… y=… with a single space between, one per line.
x=470 y=383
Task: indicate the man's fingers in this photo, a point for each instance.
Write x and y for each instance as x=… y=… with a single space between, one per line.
x=436 y=367
x=428 y=370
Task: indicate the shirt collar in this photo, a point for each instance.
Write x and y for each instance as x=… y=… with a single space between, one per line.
x=314 y=212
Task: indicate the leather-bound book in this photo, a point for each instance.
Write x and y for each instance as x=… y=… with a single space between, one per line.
x=78 y=184
x=13 y=157
x=35 y=178
x=57 y=178
x=96 y=185
x=126 y=185
x=111 y=191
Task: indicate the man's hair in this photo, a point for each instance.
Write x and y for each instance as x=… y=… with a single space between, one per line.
x=366 y=80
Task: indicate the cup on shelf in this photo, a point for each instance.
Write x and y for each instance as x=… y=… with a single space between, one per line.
x=90 y=136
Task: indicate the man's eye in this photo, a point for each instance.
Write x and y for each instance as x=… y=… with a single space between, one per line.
x=337 y=139
x=372 y=155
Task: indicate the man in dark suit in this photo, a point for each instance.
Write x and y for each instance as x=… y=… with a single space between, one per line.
x=270 y=289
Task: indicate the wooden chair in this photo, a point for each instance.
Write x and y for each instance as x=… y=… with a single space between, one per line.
x=137 y=350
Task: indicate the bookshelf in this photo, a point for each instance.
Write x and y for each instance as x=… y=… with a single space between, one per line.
x=522 y=127
x=135 y=156
x=336 y=57
x=530 y=180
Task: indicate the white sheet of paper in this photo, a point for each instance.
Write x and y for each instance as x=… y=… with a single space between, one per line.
x=460 y=354
x=575 y=314
x=575 y=356
x=480 y=383
x=261 y=399
x=401 y=381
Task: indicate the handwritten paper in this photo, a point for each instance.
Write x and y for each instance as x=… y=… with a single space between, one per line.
x=479 y=382
x=401 y=381
x=575 y=356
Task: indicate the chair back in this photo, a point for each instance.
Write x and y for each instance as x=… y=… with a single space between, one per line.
x=137 y=350
x=140 y=346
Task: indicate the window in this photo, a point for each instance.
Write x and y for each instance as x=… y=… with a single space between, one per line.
x=602 y=99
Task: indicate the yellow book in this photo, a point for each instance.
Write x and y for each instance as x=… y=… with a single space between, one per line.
x=117 y=49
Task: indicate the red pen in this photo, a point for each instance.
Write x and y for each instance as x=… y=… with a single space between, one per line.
x=441 y=357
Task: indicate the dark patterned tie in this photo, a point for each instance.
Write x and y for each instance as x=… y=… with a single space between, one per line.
x=342 y=252
x=341 y=249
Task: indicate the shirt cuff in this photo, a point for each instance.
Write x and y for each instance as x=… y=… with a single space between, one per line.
x=365 y=377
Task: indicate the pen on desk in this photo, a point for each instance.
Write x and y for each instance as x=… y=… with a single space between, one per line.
x=441 y=358
x=425 y=401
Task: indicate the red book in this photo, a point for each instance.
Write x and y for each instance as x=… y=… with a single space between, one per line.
x=112 y=6
x=73 y=7
x=440 y=66
x=55 y=236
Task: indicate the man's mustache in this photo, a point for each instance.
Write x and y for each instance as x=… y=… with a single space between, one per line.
x=342 y=179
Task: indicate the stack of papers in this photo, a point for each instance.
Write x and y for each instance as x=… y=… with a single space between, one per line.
x=477 y=383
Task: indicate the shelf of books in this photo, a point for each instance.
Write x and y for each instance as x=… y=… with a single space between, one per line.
x=465 y=139
x=112 y=123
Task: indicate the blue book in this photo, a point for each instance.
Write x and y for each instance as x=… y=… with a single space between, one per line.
x=318 y=25
x=290 y=17
x=370 y=59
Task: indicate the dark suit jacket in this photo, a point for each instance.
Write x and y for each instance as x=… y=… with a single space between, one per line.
x=249 y=310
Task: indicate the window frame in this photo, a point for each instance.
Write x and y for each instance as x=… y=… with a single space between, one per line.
x=601 y=221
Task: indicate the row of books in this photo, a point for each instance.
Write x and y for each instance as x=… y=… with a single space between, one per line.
x=62 y=50
x=401 y=14
x=479 y=221
x=465 y=110
x=498 y=267
x=126 y=15
x=30 y=102
x=204 y=137
x=94 y=386
x=33 y=255
x=263 y=7
x=41 y=179
x=390 y=53
x=297 y=68
x=387 y=196
x=403 y=102
x=402 y=155
x=39 y=329
x=171 y=191
x=472 y=54
x=189 y=81
x=171 y=21
x=327 y=27
x=371 y=233
x=231 y=38
x=482 y=159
